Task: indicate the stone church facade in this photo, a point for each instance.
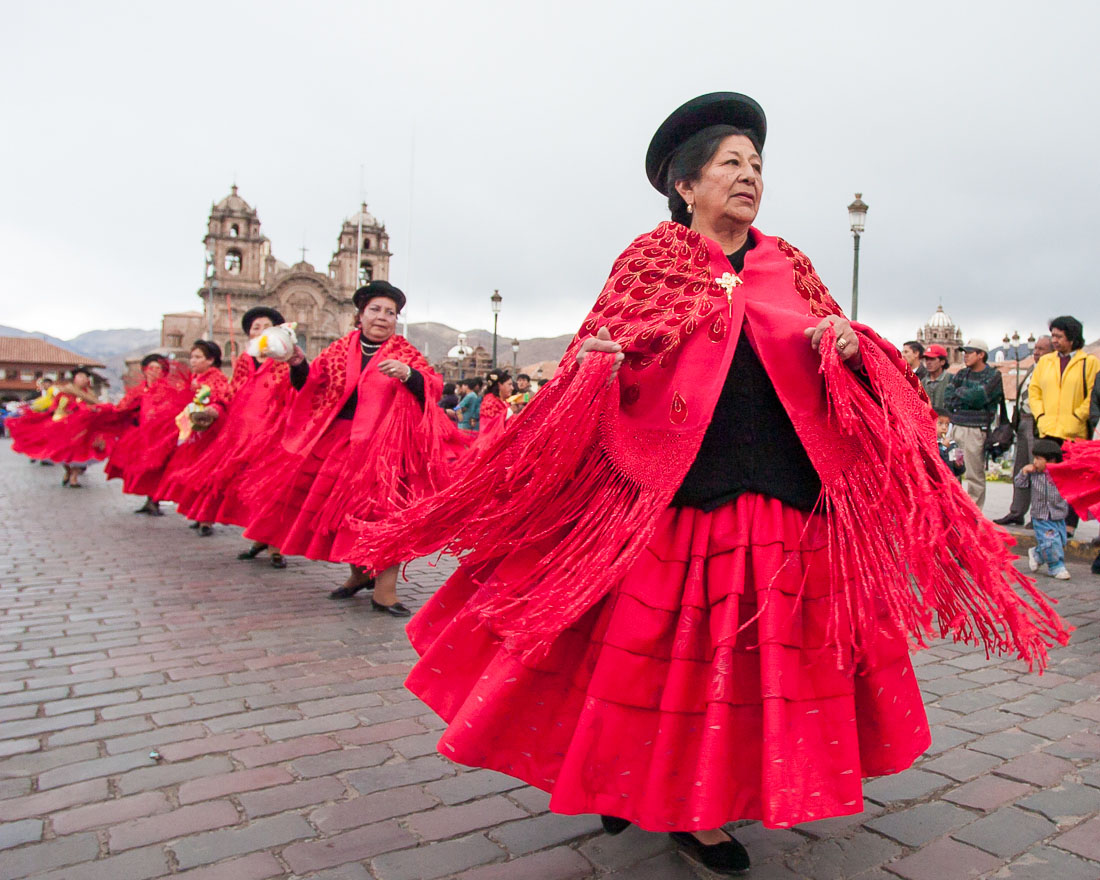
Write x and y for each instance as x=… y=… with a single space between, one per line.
x=242 y=272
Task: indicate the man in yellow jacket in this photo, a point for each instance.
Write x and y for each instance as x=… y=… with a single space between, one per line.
x=1061 y=386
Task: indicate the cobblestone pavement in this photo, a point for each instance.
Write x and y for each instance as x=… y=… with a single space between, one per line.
x=286 y=746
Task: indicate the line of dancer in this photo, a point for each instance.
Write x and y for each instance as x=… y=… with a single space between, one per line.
x=692 y=568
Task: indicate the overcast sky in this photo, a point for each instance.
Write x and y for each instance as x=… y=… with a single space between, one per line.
x=502 y=143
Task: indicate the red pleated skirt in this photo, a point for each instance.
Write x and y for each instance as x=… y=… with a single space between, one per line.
x=706 y=687
x=294 y=519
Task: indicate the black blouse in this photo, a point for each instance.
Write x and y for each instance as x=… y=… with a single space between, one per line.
x=415 y=383
x=750 y=444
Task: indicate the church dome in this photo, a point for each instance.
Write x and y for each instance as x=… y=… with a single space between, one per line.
x=462 y=350
x=364 y=217
x=941 y=319
x=233 y=203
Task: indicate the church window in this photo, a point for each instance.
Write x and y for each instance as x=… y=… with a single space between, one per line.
x=234 y=231
x=233 y=262
x=367 y=244
x=175 y=340
x=366 y=272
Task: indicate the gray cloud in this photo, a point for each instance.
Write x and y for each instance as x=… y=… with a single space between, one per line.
x=969 y=128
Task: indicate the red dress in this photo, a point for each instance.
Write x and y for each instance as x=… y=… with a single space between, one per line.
x=145 y=447
x=187 y=453
x=1078 y=477
x=393 y=451
x=680 y=668
x=66 y=432
x=211 y=486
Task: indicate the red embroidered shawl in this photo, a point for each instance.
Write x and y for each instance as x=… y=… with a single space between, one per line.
x=592 y=466
x=399 y=452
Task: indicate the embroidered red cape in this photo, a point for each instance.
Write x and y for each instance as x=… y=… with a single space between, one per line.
x=248 y=436
x=593 y=465
x=399 y=453
x=1078 y=477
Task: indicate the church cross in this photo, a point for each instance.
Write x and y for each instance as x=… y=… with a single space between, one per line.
x=303 y=249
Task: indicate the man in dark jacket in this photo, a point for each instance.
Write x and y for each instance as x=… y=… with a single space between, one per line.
x=973 y=398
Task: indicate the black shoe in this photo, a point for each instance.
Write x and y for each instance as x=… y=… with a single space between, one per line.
x=155 y=510
x=252 y=552
x=728 y=857
x=277 y=560
x=613 y=824
x=193 y=525
x=1096 y=565
x=346 y=592
x=1010 y=520
x=394 y=610
x=205 y=531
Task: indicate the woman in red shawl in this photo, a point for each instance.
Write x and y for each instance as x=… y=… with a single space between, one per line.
x=494 y=411
x=146 y=421
x=209 y=489
x=693 y=562
x=62 y=430
x=363 y=438
x=199 y=422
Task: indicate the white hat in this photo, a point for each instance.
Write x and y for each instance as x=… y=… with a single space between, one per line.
x=976 y=345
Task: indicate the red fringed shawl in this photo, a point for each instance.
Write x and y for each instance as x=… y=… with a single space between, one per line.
x=592 y=465
x=1078 y=477
x=250 y=429
x=399 y=451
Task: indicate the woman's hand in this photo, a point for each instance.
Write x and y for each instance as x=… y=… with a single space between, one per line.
x=295 y=358
x=602 y=342
x=395 y=369
x=847 y=342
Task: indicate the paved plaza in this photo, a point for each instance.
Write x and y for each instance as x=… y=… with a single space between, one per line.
x=166 y=710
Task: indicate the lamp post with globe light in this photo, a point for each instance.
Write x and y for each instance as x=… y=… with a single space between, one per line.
x=515 y=354
x=857 y=218
x=495 y=299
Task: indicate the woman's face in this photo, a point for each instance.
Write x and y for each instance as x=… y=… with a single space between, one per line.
x=259 y=325
x=153 y=371
x=1060 y=341
x=200 y=363
x=505 y=389
x=378 y=320
x=81 y=380
x=729 y=186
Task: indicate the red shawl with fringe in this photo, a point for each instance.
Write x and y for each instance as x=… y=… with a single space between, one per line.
x=1077 y=476
x=400 y=452
x=143 y=450
x=593 y=465
x=250 y=428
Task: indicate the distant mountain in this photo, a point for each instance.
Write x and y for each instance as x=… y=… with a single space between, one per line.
x=110 y=343
x=435 y=340
x=15 y=331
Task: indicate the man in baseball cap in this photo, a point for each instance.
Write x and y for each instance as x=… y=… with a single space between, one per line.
x=935 y=379
x=973 y=398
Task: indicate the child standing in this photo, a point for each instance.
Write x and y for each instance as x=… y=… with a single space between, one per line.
x=949 y=450
x=1048 y=510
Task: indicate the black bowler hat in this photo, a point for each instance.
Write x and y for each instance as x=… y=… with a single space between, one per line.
x=378 y=288
x=261 y=312
x=717 y=108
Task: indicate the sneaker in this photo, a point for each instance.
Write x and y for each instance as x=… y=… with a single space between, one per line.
x=1061 y=574
x=1033 y=559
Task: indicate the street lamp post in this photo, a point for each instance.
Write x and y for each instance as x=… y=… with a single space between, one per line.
x=1016 y=351
x=515 y=355
x=495 y=300
x=210 y=285
x=857 y=218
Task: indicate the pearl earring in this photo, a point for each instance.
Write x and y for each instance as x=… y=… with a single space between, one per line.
x=691 y=209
